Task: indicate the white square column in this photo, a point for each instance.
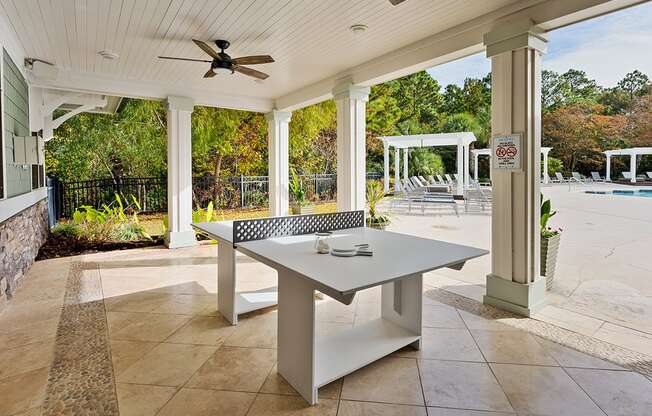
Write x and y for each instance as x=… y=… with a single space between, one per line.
x=460 y=169
x=278 y=139
x=405 y=163
x=397 y=171
x=515 y=283
x=608 y=169
x=179 y=232
x=351 y=148
x=385 y=167
x=632 y=167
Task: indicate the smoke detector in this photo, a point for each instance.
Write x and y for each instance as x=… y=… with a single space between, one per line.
x=358 y=29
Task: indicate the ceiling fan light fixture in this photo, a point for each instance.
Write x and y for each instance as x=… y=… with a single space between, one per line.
x=222 y=71
x=358 y=29
x=108 y=54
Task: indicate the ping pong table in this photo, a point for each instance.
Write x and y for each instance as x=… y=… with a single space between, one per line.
x=308 y=361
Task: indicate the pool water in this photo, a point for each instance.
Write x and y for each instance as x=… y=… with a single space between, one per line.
x=641 y=193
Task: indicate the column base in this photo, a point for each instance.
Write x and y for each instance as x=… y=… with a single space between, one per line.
x=180 y=239
x=521 y=298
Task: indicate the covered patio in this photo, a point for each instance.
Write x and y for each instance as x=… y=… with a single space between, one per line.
x=140 y=332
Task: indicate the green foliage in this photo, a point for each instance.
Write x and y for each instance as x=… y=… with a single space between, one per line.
x=375 y=194
x=296 y=188
x=554 y=165
x=67 y=229
x=546 y=214
x=113 y=222
x=424 y=162
x=203 y=215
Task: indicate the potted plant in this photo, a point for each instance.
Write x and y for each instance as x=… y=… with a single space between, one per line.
x=550 y=238
x=298 y=194
x=375 y=194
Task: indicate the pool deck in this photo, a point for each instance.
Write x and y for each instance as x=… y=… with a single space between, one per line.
x=603 y=286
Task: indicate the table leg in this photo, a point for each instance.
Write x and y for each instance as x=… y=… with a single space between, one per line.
x=226 y=281
x=401 y=303
x=296 y=334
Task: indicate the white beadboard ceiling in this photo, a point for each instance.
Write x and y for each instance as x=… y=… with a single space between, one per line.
x=309 y=39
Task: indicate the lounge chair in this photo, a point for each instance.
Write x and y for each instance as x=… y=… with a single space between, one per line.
x=449 y=179
x=560 y=178
x=577 y=177
x=441 y=180
x=596 y=177
x=478 y=196
x=553 y=180
x=649 y=175
x=414 y=195
x=627 y=176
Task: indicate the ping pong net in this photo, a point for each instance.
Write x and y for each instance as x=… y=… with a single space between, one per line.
x=262 y=228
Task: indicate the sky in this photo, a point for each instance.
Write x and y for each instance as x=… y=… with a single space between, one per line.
x=606 y=48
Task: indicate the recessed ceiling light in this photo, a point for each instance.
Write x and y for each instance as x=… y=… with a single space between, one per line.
x=357 y=29
x=110 y=55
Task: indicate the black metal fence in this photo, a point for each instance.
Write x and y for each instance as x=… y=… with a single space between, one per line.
x=151 y=193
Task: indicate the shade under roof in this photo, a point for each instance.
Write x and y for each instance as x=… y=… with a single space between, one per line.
x=429 y=140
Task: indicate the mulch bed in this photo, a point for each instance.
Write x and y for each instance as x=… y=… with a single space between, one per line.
x=63 y=246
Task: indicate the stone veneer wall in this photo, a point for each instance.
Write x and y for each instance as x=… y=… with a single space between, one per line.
x=21 y=236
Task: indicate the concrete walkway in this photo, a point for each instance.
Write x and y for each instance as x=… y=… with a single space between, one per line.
x=604 y=275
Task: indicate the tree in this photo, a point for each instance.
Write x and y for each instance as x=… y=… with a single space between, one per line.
x=569 y=88
x=424 y=162
x=635 y=84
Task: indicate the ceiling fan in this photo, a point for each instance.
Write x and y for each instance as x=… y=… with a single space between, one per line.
x=396 y=2
x=223 y=63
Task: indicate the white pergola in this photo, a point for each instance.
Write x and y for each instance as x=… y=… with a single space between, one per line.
x=487 y=152
x=632 y=153
x=462 y=140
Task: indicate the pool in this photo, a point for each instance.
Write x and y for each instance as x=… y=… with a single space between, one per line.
x=641 y=193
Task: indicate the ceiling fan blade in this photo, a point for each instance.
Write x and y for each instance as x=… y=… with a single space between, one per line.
x=209 y=74
x=207 y=49
x=253 y=60
x=183 y=59
x=250 y=72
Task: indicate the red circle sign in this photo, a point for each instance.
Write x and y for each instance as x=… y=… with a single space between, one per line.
x=501 y=152
x=511 y=151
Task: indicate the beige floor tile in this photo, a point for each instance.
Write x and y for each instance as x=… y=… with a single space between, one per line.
x=256 y=330
x=142 y=400
x=389 y=380
x=618 y=393
x=461 y=385
x=31 y=412
x=569 y=320
x=235 y=369
x=205 y=305
x=144 y=326
x=348 y=408
x=442 y=317
x=543 y=391
x=22 y=392
x=568 y=357
x=167 y=365
x=18 y=313
x=26 y=358
x=203 y=330
x=276 y=384
x=511 y=347
x=126 y=353
x=39 y=331
x=477 y=322
x=625 y=337
x=197 y=402
x=440 y=411
x=331 y=310
x=135 y=302
x=274 y=405
x=444 y=344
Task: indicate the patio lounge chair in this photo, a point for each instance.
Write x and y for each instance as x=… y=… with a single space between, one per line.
x=478 y=196
x=575 y=176
x=627 y=176
x=649 y=175
x=414 y=195
x=560 y=178
x=553 y=180
x=441 y=180
x=449 y=179
x=596 y=177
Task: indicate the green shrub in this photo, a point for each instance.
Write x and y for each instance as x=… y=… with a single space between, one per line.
x=67 y=229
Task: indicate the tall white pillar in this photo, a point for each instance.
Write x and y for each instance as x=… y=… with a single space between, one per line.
x=278 y=134
x=405 y=164
x=397 y=171
x=467 y=171
x=475 y=166
x=515 y=283
x=632 y=167
x=179 y=232
x=351 y=150
x=608 y=169
x=385 y=167
x=460 y=169
x=546 y=178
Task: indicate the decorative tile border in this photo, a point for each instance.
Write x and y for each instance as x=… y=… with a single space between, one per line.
x=623 y=357
x=81 y=380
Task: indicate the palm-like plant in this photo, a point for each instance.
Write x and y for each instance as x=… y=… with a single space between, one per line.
x=375 y=194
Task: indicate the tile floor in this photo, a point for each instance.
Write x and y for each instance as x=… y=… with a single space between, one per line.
x=172 y=354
